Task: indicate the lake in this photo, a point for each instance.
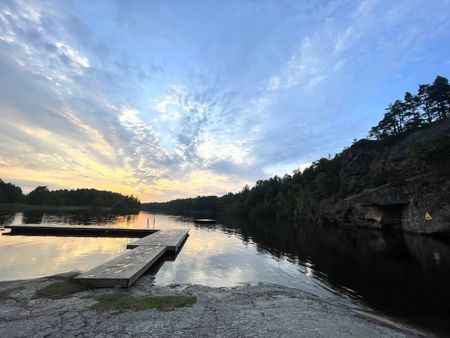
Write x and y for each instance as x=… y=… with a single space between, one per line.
x=407 y=276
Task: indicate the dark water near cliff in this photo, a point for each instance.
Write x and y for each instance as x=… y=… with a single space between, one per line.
x=407 y=276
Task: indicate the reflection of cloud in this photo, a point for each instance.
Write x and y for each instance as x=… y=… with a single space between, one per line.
x=51 y=255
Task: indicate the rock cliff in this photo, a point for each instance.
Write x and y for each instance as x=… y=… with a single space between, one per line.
x=399 y=183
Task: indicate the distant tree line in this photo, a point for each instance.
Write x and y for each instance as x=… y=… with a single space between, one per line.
x=298 y=196
x=430 y=103
x=10 y=193
x=286 y=197
x=203 y=204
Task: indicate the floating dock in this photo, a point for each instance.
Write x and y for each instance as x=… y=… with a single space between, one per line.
x=76 y=230
x=171 y=239
x=125 y=269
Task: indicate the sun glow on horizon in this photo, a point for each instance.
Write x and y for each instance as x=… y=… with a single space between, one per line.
x=163 y=108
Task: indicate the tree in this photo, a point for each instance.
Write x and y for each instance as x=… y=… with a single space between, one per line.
x=393 y=122
x=439 y=95
x=412 y=111
x=431 y=103
x=10 y=193
x=425 y=102
x=38 y=196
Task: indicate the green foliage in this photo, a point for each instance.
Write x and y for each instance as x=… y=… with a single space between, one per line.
x=356 y=185
x=273 y=197
x=121 y=302
x=42 y=197
x=431 y=103
x=82 y=197
x=10 y=193
x=435 y=153
x=379 y=179
x=6 y=294
x=60 y=289
x=205 y=204
x=39 y=196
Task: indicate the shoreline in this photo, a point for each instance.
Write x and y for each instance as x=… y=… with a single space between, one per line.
x=20 y=207
x=247 y=310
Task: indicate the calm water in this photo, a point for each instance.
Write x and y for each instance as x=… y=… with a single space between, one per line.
x=407 y=276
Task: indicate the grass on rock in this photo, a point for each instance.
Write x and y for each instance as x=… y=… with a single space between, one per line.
x=120 y=302
x=60 y=289
x=6 y=294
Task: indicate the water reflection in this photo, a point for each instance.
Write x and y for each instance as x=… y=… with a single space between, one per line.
x=25 y=257
x=407 y=275
x=400 y=273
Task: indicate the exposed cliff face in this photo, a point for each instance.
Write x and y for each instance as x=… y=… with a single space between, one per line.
x=401 y=183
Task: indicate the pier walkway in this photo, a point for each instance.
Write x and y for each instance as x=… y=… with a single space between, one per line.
x=76 y=230
x=125 y=269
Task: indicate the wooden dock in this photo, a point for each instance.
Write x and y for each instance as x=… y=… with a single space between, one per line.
x=125 y=269
x=76 y=230
x=172 y=239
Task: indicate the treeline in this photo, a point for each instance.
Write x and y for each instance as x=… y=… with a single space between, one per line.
x=430 y=103
x=299 y=195
x=9 y=193
x=202 y=204
x=288 y=197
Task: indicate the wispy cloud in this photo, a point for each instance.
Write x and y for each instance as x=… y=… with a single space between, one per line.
x=167 y=99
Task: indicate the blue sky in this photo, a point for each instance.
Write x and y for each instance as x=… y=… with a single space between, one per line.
x=167 y=99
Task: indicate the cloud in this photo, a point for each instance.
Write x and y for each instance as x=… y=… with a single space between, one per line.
x=143 y=99
x=72 y=55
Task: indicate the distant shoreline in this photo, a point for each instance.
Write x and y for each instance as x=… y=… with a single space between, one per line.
x=17 y=207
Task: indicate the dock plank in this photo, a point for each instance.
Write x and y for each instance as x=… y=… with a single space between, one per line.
x=172 y=239
x=123 y=270
x=77 y=230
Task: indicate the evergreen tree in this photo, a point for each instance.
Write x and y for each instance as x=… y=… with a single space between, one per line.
x=431 y=103
x=38 y=196
x=425 y=102
x=412 y=111
x=10 y=193
x=439 y=95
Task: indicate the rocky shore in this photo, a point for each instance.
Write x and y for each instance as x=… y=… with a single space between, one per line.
x=401 y=183
x=245 y=311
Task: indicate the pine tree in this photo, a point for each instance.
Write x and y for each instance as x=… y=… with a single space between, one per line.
x=439 y=95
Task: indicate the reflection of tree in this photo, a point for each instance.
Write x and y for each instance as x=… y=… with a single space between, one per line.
x=393 y=271
x=33 y=217
x=6 y=219
x=79 y=218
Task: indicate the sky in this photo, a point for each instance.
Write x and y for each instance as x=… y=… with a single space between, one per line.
x=173 y=99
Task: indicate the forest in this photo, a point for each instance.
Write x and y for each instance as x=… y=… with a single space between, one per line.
x=10 y=193
x=297 y=195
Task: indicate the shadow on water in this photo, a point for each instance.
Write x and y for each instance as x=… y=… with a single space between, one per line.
x=406 y=275
x=167 y=257
x=88 y=217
